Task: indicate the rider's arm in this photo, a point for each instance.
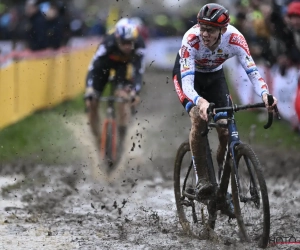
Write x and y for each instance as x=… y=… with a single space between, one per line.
x=96 y=64
x=187 y=68
x=139 y=65
x=243 y=53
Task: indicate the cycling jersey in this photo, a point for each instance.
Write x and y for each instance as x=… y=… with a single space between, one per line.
x=108 y=56
x=194 y=56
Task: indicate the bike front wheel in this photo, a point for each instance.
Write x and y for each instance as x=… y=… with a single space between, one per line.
x=193 y=215
x=108 y=145
x=250 y=196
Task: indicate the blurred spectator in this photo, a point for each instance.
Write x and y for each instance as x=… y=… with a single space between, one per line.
x=36 y=36
x=98 y=29
x=293 y=20
x=54 y=24
x=65 y=17
x=260 y=12
x=284 y=29
x=246 y=28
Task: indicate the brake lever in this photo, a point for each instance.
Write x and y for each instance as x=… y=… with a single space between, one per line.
x=277 y=112
x=209 y=112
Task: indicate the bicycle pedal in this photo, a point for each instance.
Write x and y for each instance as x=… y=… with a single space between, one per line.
x=205 y=194
x=190 y=191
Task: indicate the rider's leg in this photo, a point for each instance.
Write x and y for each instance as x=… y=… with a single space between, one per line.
x=95 y=83
x=124 y=75
x=197 y=143
x=93 y=116
x=217 y=93
x=198 y=149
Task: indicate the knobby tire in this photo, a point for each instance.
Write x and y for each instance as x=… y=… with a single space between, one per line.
x=242 y=151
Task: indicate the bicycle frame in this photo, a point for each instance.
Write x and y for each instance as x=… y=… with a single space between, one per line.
x=187 y=194
x=110 y=121
x=233 y=139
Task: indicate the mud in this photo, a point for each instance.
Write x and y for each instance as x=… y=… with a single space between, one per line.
x=80 y=207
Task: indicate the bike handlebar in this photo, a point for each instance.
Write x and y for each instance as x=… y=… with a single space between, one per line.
x=211 y=111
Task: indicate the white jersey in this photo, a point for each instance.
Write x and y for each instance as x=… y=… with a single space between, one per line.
x=195 y=56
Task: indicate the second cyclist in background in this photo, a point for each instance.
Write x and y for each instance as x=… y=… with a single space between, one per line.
x=122 y=51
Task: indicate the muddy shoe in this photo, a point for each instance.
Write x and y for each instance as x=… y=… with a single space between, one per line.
x=204 y=188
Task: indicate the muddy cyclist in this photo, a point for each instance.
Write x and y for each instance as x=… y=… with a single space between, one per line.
x=199 y=78
x=122 y=50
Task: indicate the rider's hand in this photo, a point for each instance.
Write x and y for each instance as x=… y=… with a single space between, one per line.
x=265 y=100
x=203 y=106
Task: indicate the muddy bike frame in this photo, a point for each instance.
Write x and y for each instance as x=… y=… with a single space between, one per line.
x=108 y=143
x=218 y=199
x=233 y=138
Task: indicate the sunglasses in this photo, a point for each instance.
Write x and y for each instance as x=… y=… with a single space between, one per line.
x=126 y=42
x=209 y=30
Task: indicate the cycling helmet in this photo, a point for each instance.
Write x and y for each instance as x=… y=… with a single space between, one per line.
x=126 y=30
x=213 y=14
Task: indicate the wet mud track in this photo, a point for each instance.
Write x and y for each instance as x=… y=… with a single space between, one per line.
x=79 y=207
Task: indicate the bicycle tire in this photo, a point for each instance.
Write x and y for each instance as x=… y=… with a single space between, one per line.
x=258 y=195
x=108 y=142
x=196 y=227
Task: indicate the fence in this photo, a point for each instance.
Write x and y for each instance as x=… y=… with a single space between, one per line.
x=34 y=81
x=40 y=80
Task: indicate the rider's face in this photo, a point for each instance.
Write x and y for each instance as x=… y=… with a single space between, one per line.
x=126 y=47
x=209 y=34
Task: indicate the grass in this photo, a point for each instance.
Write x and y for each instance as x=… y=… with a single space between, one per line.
x=280 y=134
x=41 y=137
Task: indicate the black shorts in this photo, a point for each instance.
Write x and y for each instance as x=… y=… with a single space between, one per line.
x=98 y=78
x=211 y=86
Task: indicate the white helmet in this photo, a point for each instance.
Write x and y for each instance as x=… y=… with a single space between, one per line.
x=137 y=21
x=126 y=30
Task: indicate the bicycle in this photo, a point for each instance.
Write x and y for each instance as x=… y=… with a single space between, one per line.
x=248 y=187
x=111 y=142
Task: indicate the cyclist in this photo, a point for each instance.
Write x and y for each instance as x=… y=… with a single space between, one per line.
x=122 y=50
x=199 y=79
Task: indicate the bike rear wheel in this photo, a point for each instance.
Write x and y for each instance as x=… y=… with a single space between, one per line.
x=193 y=215
x=250 y=196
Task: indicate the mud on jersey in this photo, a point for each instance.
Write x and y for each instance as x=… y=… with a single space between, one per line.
x=196 y=57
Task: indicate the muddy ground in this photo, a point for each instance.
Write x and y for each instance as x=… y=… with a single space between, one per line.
x=79 y=207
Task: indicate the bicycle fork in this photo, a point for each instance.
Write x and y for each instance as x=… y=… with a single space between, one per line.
x=108 y=122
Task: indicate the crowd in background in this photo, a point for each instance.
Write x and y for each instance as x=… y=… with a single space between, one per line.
x=266 y=24
x=272 y=30
x=273 y=34
x=271 y=27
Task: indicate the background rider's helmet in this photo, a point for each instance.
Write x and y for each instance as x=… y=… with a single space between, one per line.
x=213 y=14
x=126 y=30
